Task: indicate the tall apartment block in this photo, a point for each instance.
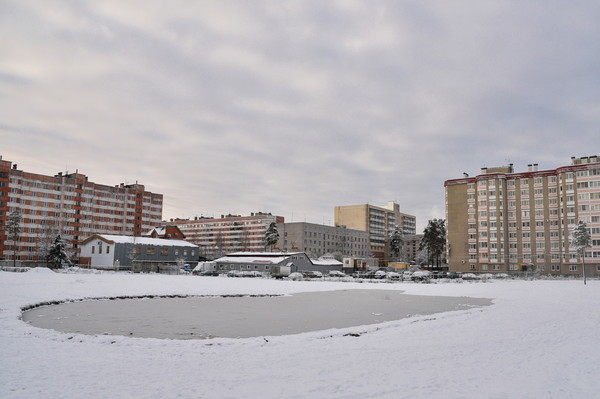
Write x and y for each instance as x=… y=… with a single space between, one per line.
x=229 y=233
x=317 y=240
x=378 y=221
x=411 y=246
x=502 y=221
x=70 y=205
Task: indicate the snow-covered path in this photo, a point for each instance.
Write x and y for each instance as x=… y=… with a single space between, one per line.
x=538 y=340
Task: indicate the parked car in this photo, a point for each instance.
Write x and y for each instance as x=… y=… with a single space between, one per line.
x=311 y=274
x=369 y=274
x=470 y=276
x=453 y=275
x=250 y=273
x=421 y=275
x=296 y=276
x=393 y=276
x=379 y=274
x=233 y=273
x=336 y=273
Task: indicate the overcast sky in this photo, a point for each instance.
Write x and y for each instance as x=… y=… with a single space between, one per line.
x=294 y=107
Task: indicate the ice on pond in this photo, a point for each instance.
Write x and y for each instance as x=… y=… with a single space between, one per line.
x=240 y=316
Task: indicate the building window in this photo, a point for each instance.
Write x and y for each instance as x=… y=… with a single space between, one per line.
x=151 y=251
x=93 y=249
x=107 y=250
x=164 y=251
x=572 y=268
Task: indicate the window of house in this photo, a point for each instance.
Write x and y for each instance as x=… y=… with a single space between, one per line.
x=164 y=251
x=93 y=249
x=150 y=250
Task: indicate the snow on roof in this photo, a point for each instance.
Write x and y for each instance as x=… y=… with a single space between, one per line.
x=147 y=241
x=159 y=230
x=267 y=260
x=326 y=262
x=264 y=254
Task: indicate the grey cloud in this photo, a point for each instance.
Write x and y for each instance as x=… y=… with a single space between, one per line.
x=297 y=106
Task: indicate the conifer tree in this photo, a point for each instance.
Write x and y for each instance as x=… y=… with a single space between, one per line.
x=57 y=254
x=396 y=242
x=14 y=229
x=271 y=236
x=581 y=240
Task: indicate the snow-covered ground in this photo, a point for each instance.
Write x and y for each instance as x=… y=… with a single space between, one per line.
x=538 y=340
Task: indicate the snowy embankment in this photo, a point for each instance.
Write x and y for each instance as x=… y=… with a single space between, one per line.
x=538 y=340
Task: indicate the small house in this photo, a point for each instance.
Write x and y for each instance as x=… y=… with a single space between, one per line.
x=104 y=251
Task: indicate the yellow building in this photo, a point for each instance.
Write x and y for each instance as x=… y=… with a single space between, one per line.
x=502 y=221
x=378 y=221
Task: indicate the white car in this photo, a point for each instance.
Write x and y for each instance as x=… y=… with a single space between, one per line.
x=393 y=276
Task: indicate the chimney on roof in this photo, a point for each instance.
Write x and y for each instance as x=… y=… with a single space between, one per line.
x=484 y=170
x=535 y=167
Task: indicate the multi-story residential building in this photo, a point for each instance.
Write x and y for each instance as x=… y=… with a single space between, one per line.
x=377 y=221
x=411 y=246
x=70 y=205
x=502 y=221
x=317 y=240
x=229 y=233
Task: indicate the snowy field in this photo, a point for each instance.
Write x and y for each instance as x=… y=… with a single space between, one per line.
x=540 y=339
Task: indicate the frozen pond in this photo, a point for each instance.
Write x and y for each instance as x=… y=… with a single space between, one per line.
x=240 y=316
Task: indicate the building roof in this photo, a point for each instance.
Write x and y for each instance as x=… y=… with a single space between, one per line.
x=160 y=231
x=266 y=258
x=326 y=261
x=111 y=239
x=252 y=259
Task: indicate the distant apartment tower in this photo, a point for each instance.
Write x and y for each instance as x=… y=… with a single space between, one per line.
x=317 y=240
x=70 y=205
x=411 y=247
x=501 y=221
x=229 y=233
x=377 y=221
